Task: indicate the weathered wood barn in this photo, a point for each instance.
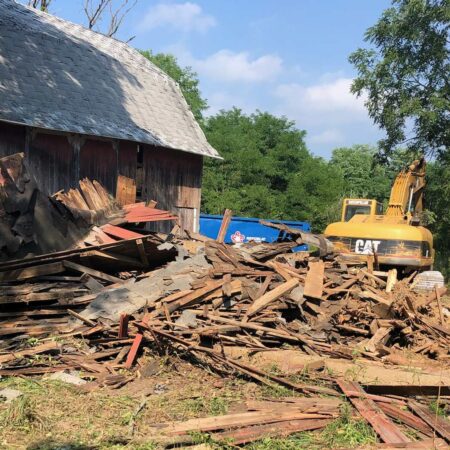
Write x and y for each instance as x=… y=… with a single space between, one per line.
x=80 y=104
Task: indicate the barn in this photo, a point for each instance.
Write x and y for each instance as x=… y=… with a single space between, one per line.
x=80 y=104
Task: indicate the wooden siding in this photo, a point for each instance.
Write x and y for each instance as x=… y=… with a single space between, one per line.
x=58 y=161
x=98 y=161
x=50 y=159
x=173 y=179
x=128 y=159
x=12 y=139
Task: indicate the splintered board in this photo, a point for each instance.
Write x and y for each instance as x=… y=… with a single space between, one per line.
x=314 y=279
x=125 y=190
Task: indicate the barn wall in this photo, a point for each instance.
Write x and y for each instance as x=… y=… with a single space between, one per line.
x=99 y=161
x=127 y=159
x=173 y=179
x=59 y=160
x=50 y=159
x=12 y=139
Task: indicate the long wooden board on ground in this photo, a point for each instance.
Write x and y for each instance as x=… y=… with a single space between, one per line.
x=384 y=427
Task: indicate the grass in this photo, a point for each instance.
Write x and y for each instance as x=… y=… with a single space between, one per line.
x=21 y=413
x=53 y=415
x=214 y=406
x=348 y=431
x=438 y=409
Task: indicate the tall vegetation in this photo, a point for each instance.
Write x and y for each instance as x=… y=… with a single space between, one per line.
x=405 y=75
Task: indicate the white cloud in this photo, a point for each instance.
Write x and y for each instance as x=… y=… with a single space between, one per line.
x=229 y=66
x=180 y=16
x=332 y=98
x=330 y=113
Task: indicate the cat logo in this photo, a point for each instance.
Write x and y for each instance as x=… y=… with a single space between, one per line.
x=366 y=247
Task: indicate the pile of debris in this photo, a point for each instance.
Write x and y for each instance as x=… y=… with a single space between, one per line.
x=213 y=298
x=116 y=290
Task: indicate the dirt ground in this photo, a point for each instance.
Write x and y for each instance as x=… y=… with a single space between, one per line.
x=54 y=415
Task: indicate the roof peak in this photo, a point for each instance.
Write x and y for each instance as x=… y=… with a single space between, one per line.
x=63 y=76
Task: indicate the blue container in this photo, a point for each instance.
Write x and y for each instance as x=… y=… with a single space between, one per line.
x=246 y=229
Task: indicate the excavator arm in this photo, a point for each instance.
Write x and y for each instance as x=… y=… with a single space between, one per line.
x=407 y=190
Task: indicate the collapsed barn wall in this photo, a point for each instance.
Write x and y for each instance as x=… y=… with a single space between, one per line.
x=59 y=160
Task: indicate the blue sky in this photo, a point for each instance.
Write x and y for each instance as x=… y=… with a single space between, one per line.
x=288 y=57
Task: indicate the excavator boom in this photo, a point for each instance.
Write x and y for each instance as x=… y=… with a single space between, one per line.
x=406 y=192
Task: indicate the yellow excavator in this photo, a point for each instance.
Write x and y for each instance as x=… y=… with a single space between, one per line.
x=394 y=238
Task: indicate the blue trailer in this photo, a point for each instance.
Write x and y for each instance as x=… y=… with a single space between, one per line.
x=247 y=229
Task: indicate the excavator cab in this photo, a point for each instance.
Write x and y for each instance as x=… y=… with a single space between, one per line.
x=353 y=206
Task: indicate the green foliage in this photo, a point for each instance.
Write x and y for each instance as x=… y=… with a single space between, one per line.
x=439 y=409
x=314 y=193
x=405 y=75
x=267 y=170
x=184 y=76
x=348 y=432
x=437 y=197
x=214 y=406
x=364 y=176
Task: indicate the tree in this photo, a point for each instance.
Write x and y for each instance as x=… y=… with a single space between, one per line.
x=315 y=193
x=363 y=175
x=437 y=200
x=95 y=11
x=40 y=4
x=406 y=75
x=185 y=77
x=267 y=170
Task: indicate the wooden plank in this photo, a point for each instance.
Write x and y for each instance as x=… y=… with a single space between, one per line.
x=81 y=318
x=391 y=280
x=141 y=250
x=426 y=444
x=314 y=279
x=125 y=190
x=239 y=420
x=48 y=346
x=375 y=297
x=387 y=430
x=379 y=336
x=271 y=296
x=90 y=195
x=439 y=305
x=280 y=429
x=94 y=273
x=195 y=296
x=438 y=423
x=111 y=257
x=407 y=418
x=123 y=326
x=136 y=344
x=224 y=225
x=32 y=272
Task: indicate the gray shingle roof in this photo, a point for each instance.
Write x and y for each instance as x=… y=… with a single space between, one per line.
x=58 y=75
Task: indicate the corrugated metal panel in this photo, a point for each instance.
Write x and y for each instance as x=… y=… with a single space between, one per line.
x=98 y=161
